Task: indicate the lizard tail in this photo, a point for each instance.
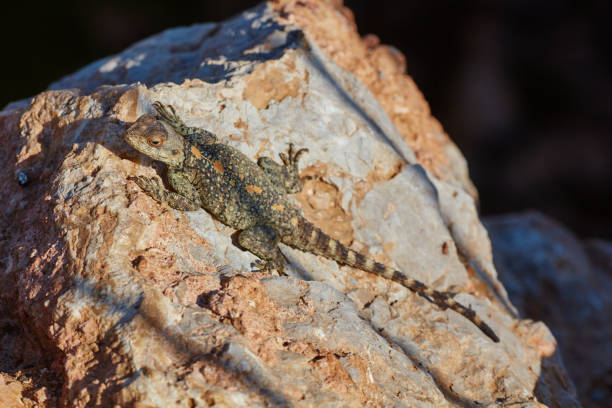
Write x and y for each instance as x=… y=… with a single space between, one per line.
x=312 y=239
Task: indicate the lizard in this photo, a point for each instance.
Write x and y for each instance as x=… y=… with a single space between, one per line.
x=252 y=198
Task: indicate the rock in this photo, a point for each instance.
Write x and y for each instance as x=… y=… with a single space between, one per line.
x=552 y=276
x=131 y=303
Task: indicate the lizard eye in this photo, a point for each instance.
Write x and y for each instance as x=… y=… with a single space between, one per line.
x=154 y=141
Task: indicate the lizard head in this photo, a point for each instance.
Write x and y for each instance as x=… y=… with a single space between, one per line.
x=157 y=140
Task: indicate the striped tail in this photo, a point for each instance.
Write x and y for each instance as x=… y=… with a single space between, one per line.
x=311 y=239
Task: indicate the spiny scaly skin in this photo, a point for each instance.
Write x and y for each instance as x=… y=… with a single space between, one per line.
x=251 y=198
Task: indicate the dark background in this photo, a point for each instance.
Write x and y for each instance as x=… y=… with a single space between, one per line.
x=521 y=86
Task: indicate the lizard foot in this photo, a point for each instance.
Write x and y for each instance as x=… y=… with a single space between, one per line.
x=269 y=266
x=167 y=114
x=286 y=176
x=148 y=184
x=293 y=156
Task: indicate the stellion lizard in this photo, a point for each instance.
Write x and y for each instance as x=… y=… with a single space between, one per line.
x=251 y=197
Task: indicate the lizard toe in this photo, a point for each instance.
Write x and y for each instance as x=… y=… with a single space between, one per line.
x=269 y=266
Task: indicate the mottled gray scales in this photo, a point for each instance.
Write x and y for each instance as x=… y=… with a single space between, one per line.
x=262 y=240
x=251 y=197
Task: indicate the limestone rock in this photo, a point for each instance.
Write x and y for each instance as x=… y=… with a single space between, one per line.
x=551 y=276
x=130 y=303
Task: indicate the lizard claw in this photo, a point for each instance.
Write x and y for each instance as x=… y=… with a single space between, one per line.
x=293 y=156
x=298 y=155
x=284 y=158
x=166 y=113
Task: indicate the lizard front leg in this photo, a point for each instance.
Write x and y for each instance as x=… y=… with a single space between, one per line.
x=186 y=198
x=262 y=241
x=193 y=134
x=286 y=176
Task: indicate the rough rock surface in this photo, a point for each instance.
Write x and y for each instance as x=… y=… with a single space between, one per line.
x=553 y=277
x=112 y=299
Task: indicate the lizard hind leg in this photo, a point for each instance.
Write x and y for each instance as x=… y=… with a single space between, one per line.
x=262 y=241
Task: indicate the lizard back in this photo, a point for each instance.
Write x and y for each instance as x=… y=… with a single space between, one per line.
x=234 y=188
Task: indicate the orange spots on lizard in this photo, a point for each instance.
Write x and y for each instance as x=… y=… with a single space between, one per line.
x=197 y=153
x=218 y=166
x=278 y=207
x=254 y=189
